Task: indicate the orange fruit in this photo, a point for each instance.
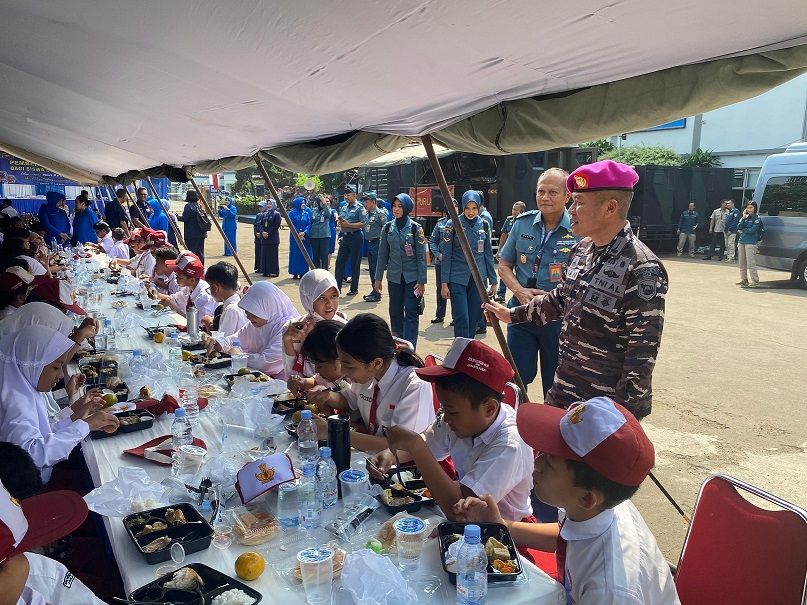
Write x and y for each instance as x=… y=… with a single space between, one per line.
x=249 y=566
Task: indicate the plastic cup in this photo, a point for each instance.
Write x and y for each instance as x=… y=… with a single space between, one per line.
x=288 y=505
x=316 y=567
x=355 y=484
x=189 y=459
x=409 y=535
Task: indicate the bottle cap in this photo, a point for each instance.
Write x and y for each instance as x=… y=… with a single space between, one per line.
x=324 y=452
x=179 y=413
x=305 y=415
x=471 y=534
x=309 y=470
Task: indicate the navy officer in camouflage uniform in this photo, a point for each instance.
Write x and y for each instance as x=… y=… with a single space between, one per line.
x=611 y=301
x=532 y=262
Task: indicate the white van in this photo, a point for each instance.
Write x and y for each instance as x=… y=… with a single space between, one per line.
x=781 y=196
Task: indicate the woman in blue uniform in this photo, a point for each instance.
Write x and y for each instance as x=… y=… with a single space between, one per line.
x=402 y=254
x=301 y=219
x=455 y=274
x=229 y=213
x=322 y=217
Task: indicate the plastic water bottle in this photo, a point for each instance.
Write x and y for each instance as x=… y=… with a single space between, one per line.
x=326 y=475
x=307 y=440
x=310 y=504
x=472 y=566
x=174 y=350
x=188 y=399
x=181 y=430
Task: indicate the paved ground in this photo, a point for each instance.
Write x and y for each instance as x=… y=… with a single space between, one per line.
x=729 y=383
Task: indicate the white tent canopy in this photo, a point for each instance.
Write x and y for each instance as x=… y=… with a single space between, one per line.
x=102 y=87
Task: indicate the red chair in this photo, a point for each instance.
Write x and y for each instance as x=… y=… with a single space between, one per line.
x=511 y=395
x=736 y=552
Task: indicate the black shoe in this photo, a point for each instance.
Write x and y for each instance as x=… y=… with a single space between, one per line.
x=481 y=331
x=438 y=320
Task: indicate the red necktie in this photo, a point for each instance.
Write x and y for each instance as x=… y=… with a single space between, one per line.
x=372 y=425
x=560 y=556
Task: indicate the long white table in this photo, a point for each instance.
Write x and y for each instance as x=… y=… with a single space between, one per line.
x=104 y=457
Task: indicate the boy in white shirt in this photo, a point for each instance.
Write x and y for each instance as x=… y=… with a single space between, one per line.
x=475 y=429
x=31 y=579
x=193 y=288
x=228 y=317
x=591 y=460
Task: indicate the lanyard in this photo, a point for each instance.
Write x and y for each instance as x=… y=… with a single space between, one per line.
x=544 y=239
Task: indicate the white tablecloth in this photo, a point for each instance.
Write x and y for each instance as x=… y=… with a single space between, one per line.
x=105 y=456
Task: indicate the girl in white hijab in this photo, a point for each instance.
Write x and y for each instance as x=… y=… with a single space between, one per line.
x=43 y=314
x=31 y=362
x=267 y=309
x=319 y=296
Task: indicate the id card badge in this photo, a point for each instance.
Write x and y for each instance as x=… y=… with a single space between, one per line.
x=480 y=245
x=409 y=250
x=555 y=272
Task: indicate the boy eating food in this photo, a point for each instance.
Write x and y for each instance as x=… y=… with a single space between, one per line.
x=591 y=460
x=474 y=429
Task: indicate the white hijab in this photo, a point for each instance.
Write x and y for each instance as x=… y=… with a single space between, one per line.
x=23 y=409
x=268 y=302
x=36 y=314
x=313 y=285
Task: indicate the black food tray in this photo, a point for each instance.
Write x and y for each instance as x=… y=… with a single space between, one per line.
x=196 y=535
x=411 y=485
x=216 y=583
x=146 y=423
x=488 y=530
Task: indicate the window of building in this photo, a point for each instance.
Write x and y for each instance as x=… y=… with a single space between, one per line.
x=785 y=196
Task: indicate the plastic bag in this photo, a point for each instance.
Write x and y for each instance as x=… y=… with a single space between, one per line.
x=372 y=579
x=131 y=491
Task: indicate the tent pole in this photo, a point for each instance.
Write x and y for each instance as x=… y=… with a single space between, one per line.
x=171 y=221
x=282 y=209
x=215 y=221
x=469 y=258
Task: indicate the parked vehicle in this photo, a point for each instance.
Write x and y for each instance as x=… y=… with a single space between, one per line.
x=781 y=195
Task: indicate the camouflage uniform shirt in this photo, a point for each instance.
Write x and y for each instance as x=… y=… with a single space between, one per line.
x=611 y=303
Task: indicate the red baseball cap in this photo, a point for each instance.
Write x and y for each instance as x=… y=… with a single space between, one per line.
x=602 y=175
x=599 y=432
x=38 y=520
x=187 y=263
x=476 y=360
x=59 y=292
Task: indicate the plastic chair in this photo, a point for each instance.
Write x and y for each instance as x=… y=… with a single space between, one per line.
x=736 y=552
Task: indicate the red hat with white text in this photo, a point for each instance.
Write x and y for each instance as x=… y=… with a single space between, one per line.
x=476 y=360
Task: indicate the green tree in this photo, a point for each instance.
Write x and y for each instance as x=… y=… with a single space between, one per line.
x=701 y=157
x=603 y=146
x=641 y=155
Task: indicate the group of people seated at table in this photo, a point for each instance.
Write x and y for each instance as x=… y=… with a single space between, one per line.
x=479 y=457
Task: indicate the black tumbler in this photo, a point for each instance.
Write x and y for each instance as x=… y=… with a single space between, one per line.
x=339 y=442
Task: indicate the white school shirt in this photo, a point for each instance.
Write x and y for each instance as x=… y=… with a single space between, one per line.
x=496 y=462
x=233 y=317
x=48 y=441
x=613 y=559
x=403 y=399
x=56 y=585
x=116 y=249
x=200 y=296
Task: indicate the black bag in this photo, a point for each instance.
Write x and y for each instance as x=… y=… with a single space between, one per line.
x=202 y=221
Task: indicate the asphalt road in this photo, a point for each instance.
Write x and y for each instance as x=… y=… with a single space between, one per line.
x=728 y=386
